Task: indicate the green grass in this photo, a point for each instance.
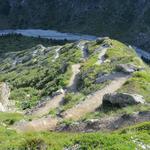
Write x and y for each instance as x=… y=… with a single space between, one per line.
x=17 y=42
x=10 y=118
x=120 y=53
x=138 y=84
x=118 y=140
x=72 y=99
x=38 y=76
x=117 y=53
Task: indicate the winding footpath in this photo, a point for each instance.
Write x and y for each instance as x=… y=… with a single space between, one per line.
x=42 y=124
x=51 y=104
x=56 y=53
x=74 y=78
x=57 y=100
x=90 y=104
x=48 y=123
x=101 y=57
x=95 y=100
x=82 y=45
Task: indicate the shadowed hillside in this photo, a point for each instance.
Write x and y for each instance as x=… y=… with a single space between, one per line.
x=125 y=20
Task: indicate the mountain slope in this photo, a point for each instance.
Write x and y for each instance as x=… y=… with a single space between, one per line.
x=62 y=88
x=127 y=21
x=36 y=76
x=135 y=137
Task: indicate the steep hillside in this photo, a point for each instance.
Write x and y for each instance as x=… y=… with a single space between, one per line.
x=136 y=137
x=37 y=75
x=127 y=21
x=85 y=86
x=17 y=42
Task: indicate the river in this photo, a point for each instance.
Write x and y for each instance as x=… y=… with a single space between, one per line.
x=50 y=34
x=53 y=34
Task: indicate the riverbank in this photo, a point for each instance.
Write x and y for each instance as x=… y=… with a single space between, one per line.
x=49 y=34
x=56 y=35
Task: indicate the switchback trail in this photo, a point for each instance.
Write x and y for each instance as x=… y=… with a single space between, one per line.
x=93 y=101
x=50 y=104
x=42 y=124
x=57 y=100
x=101 y=57
x=74 y=78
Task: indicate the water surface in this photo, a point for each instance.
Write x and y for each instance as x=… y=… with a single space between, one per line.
x=53 y=34
x=50 y=34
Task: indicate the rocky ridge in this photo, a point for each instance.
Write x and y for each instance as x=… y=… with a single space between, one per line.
x=107 y=18
x=54 y=84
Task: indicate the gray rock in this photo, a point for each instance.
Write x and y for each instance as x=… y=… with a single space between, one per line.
x=122 y=99
x=127 y=68
x=5 y=104
x=100 y=40
x=74 y=147
x=26 y=58
x=106 y=123
x=104 y=78
x=60 y=91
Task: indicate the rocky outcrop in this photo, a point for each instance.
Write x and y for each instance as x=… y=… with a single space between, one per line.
x=58 y=92
x=101 y=78
x=4 y=97
x=100 y=40
x=94 y=100
x=127 y=68
x=122 y=99
x=107 y=123
x=106 y=18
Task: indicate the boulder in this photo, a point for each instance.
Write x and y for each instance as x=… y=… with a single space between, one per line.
x=100 y=40
x=40 y=47
x=127 y=68
x=122 y=99
x=26 y=59
x=2 y=109
x=59 y=92
x=4 y=97
x=105 y=123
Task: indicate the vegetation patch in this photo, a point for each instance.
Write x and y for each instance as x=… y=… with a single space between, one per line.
x=50 y=140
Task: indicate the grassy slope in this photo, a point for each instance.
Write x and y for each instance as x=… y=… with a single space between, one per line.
x=34 y=78
x=119 y=53
x=118 y=20
x=139 y=83
x=119 y=140
x=17 y=42
x=30 y=79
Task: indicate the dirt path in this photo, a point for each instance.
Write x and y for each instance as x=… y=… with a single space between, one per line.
x=73 y=80
x=42 y=124
x=89 y=105
x=48 y=123
x=101 y=57
x=82 y=46
x=95 y=100
x=50 y=104
x=58 y=99
x=107 y=123
x=56 y=53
